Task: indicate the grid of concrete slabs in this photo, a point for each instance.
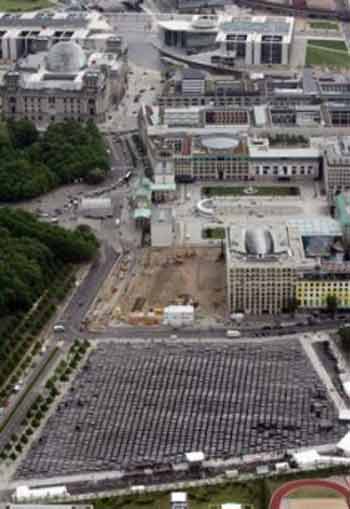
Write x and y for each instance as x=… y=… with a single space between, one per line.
x=134 y=405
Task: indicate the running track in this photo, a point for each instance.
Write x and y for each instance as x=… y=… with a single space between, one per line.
x=283 y=491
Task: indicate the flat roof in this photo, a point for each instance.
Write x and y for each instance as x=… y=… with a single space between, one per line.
x=178 y=496
x=342 y=202
x=194 y=456
x=162 y=215
x=171 y=186
x=257 y=152
x=265 y=26
x=318 y=225
x=142 y=213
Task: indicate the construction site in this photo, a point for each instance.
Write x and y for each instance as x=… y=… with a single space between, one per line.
x=141 y=286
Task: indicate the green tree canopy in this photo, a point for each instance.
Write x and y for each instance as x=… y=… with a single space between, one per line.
x=31 y=253
x=33 y=164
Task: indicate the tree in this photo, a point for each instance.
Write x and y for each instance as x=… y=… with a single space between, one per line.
x=95 y=176
x=332 y=303
x=33 y=164
x=344 y=333
x=23 y=133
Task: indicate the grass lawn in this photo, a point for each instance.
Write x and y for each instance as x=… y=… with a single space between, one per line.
x=329 y=44
x=314 y=492
x=213 y=233
x=23 y=5
x=199 y=498
x=325 y=57
x=323 y=25
x=259 y=191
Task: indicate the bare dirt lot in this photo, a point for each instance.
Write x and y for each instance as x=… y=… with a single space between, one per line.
x=162 y=277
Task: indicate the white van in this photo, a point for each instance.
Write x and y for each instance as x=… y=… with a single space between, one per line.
x=233 y=334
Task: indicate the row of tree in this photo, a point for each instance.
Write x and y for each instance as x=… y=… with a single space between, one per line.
x=32 y=253
x=33 y=163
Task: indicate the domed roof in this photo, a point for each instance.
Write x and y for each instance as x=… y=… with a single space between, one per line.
x=258 y=241
x=220 y=142
x=66 y=57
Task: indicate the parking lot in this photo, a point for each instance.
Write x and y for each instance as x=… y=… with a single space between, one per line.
x=145 y=404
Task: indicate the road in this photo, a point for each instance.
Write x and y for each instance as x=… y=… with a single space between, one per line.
x=25 y=400
x=87 y=291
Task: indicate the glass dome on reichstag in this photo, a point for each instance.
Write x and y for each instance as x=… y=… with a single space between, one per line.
x=66 y=57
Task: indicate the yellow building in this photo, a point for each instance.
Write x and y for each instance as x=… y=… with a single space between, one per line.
x=333 y=279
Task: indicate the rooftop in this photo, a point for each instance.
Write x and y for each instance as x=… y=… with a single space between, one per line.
x=261 y=25
x=261 y=148
x=256 y=243
x=342 y=203
x=162 y=215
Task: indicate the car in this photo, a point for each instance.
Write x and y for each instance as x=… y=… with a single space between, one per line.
x=59 y=328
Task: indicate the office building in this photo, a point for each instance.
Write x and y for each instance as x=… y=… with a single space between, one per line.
x=263 y=265
x=342 y=212
x=327 y=278
x=336 y=167
x=203 y=143
x=33 y=32
x=231 y=42
x=279 y=162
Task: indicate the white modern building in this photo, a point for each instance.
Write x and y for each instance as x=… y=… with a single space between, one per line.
x=178 y=500
x=257 y=40
x=96 y=208
x=32 y=32
x=177 y=316
x=282 y=162
x=25 y=493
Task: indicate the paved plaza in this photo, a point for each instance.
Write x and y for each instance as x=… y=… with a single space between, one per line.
x=136 y=405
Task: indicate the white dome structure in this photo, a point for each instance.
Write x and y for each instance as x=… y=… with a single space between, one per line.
x=259 y=241
x=66 y=57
